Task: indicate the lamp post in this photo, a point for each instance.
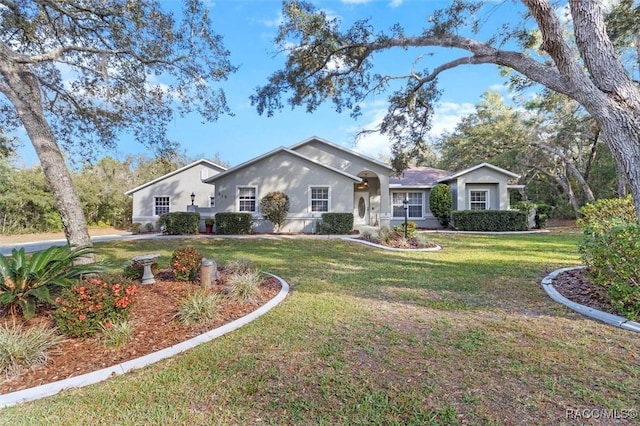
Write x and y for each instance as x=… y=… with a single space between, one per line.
x=405 y=204
x=193 y=197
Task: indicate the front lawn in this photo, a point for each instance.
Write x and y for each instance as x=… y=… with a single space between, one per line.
x=461 y=336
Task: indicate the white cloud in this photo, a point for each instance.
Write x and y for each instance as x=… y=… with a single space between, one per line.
x=272 y=23
x=445 y=118
x=447 y=115
x=395 y=3
x=498 y=87
x=355 y=1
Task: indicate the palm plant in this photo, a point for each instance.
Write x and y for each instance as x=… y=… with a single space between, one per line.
x=24 y=282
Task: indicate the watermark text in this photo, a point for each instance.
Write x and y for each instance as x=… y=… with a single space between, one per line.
x=601 y=413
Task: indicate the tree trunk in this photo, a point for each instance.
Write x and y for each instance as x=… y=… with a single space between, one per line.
x=622 y=182
x=23 y=90
x=586 y=189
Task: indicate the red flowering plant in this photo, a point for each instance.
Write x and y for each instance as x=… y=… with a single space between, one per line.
x=185 y=263
x=91 y=303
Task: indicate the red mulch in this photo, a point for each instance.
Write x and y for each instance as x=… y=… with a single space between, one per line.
x=576 y=286
x=154 y=328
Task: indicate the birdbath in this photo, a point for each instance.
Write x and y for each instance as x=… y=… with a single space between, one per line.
x=146 y=260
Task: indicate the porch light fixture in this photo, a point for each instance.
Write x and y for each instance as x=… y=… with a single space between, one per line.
x=405 y=205
x=365 y=183
x=193 y=197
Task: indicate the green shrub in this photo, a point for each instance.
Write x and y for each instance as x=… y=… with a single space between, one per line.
x=274 y=207
x=244 y=287
x=148 y=227
x=440 y=203
x=185 y=263
x=543 y=212
x=612 y=262
x=136 y=227
x=335 y=223
x=25 y=282
x=200 y=306
x=209 y=221
x=490 y=220
x=180 y=223
x=411 y=229
x=605 y=214
x=89 y=305
x=22 y=348
x=233 y=223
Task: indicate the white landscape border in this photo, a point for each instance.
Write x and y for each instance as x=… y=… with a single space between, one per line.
x=605 y=317
x=53 y=388
x=380 y=246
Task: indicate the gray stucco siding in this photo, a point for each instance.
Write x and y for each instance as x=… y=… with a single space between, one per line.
x=178 y=188
x=355 y=165
x=483 y=179
x=340 y=159
x=293 y=176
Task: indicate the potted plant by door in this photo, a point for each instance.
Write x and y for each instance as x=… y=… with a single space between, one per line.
x=208 y=225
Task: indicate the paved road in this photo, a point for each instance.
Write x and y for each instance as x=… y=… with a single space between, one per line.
x=41 y=245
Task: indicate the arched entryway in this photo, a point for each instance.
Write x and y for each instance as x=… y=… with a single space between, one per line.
x=366 y=199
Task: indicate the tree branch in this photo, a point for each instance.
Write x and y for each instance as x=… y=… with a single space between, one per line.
x=546 y=75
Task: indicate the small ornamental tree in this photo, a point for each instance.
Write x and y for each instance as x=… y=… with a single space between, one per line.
x=440 y=203
x=274 y=207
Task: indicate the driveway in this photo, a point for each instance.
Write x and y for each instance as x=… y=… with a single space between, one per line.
x=36 y=242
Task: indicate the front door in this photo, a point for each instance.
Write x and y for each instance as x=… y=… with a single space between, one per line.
x=361 y=208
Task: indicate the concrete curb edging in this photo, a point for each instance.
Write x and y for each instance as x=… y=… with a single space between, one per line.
x=53 y=388
x=605 y=317
x=380 y=246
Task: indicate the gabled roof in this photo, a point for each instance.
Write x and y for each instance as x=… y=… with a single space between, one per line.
x=175 y=172
x=276 y=151
x=418 y=177
x=341 y=148
x=471 y=169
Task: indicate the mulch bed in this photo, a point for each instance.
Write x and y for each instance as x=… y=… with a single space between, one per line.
x=154 y=328
x=576 y=286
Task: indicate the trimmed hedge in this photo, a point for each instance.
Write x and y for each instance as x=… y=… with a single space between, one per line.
x=490 y=220
x=233 y=223
x=335 y=223
x=180 y=223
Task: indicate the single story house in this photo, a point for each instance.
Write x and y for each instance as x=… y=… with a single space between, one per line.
x=319 y=176
x=172 y=192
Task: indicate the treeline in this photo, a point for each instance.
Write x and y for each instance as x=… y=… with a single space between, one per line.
x=548 y=139
x=26 y=203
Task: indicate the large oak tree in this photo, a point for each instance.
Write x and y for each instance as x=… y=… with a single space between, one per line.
x=327 y=62
x=75 y=74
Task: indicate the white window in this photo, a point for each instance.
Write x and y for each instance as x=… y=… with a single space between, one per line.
x=319 y=198
x=247 y=199
x=212 y=200
x=478 y=200
x=415 y=206
x=161 y=205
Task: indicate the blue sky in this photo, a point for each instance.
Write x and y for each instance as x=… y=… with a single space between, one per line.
x=249 y=27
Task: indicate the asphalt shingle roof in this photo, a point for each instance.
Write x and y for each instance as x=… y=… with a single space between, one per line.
x=419 y=176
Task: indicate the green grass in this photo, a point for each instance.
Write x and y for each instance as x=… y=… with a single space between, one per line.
x=461 y=336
